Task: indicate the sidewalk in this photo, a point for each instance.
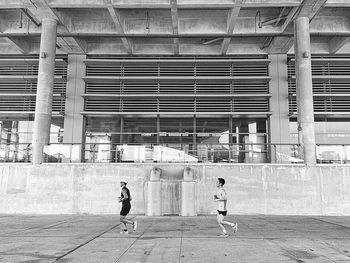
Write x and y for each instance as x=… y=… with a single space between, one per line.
x=95 y=239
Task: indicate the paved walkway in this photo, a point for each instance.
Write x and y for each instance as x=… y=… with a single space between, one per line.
x=65 y=239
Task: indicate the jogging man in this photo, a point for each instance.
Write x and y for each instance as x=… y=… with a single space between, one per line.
x=125 y=199
x=221 y=200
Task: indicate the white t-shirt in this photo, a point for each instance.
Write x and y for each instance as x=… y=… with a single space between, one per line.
x=221 y=194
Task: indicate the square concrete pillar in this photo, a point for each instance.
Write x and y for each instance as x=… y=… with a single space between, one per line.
x=73 y=120
x=279 y=133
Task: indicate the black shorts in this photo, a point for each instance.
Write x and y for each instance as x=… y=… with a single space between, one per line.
x=224 y=213
x=125 y=209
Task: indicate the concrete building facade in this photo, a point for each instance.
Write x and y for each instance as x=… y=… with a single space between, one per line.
x=209 y=82
x=175 y=81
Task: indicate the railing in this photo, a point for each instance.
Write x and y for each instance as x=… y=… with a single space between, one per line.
x=172 y=153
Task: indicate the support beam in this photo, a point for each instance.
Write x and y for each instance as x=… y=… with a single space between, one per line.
x=231 y=22
x=39 y=9
x=43 y=106
x=308 y=8
x=31 y=16
x=289 y=18
x=72 y=44
x=306 y=125
x=175 y=24
x=19 y=43
x=189 y=35
x=185 y=5
x=336 y=43
x=12 y=4
x=119 y=28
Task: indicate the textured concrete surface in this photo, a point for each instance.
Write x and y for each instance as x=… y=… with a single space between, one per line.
x=147 y=17
x=70 y=239
x=252 y=189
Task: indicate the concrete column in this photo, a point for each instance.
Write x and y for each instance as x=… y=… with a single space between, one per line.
x=188 y=199
x=42 y=120
x=304 y=88
x=279 y=106
x=158 y=129
x=73 y=120
x=154 y=194
x=242 y=134
x=230 y=141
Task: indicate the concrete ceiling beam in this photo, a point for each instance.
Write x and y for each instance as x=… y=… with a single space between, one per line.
x=20 y=44
x=336 y=43
x=9 y=4
x=141 y=5
x=39 y=9
x=175 y=25
x=67 y=4
x=231 y=22
x=325 y=34
x=119 y=28
x=337 y=3
x=308 y=8
x=289 y=18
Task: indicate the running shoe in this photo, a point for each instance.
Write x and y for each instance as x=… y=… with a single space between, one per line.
x=124 y=232
x=134 y=225
x=223 y=234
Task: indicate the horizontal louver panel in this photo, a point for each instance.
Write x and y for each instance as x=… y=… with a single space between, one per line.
x=331 y=85
x=251 y=104
x=112 y=105
x=18 y=83
x=197 y=84
x=210 y=105
x=194 y=87
x=139 y=105
x=28 y=104
x=176 y=105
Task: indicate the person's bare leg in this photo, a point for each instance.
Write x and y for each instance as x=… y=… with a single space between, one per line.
x=233 y=225
x=220 y=219
x=122 y=220
x=128 y=221
x=226 y=223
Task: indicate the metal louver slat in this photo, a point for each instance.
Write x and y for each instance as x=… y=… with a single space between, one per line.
x=331 y=85
x=200 y=84
x=18 y=83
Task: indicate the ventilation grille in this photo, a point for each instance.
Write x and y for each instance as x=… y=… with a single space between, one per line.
x=18 y=83
x=27 y=104
x=331 y=85
x=183 y=85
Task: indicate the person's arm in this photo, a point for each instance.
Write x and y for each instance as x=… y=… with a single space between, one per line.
x=222 y=196
x=125 y=194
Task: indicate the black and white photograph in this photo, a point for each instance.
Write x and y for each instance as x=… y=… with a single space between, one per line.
x=174 y=131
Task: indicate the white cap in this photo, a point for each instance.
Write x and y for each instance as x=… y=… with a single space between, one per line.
x=123 y=180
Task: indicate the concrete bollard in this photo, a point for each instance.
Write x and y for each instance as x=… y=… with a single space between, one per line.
x=154 y=194
x=188 y=194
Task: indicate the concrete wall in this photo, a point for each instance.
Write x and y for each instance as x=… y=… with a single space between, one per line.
x=252 y=189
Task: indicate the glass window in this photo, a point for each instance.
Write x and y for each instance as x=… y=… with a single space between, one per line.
x=138 y=130
x=16 y=138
